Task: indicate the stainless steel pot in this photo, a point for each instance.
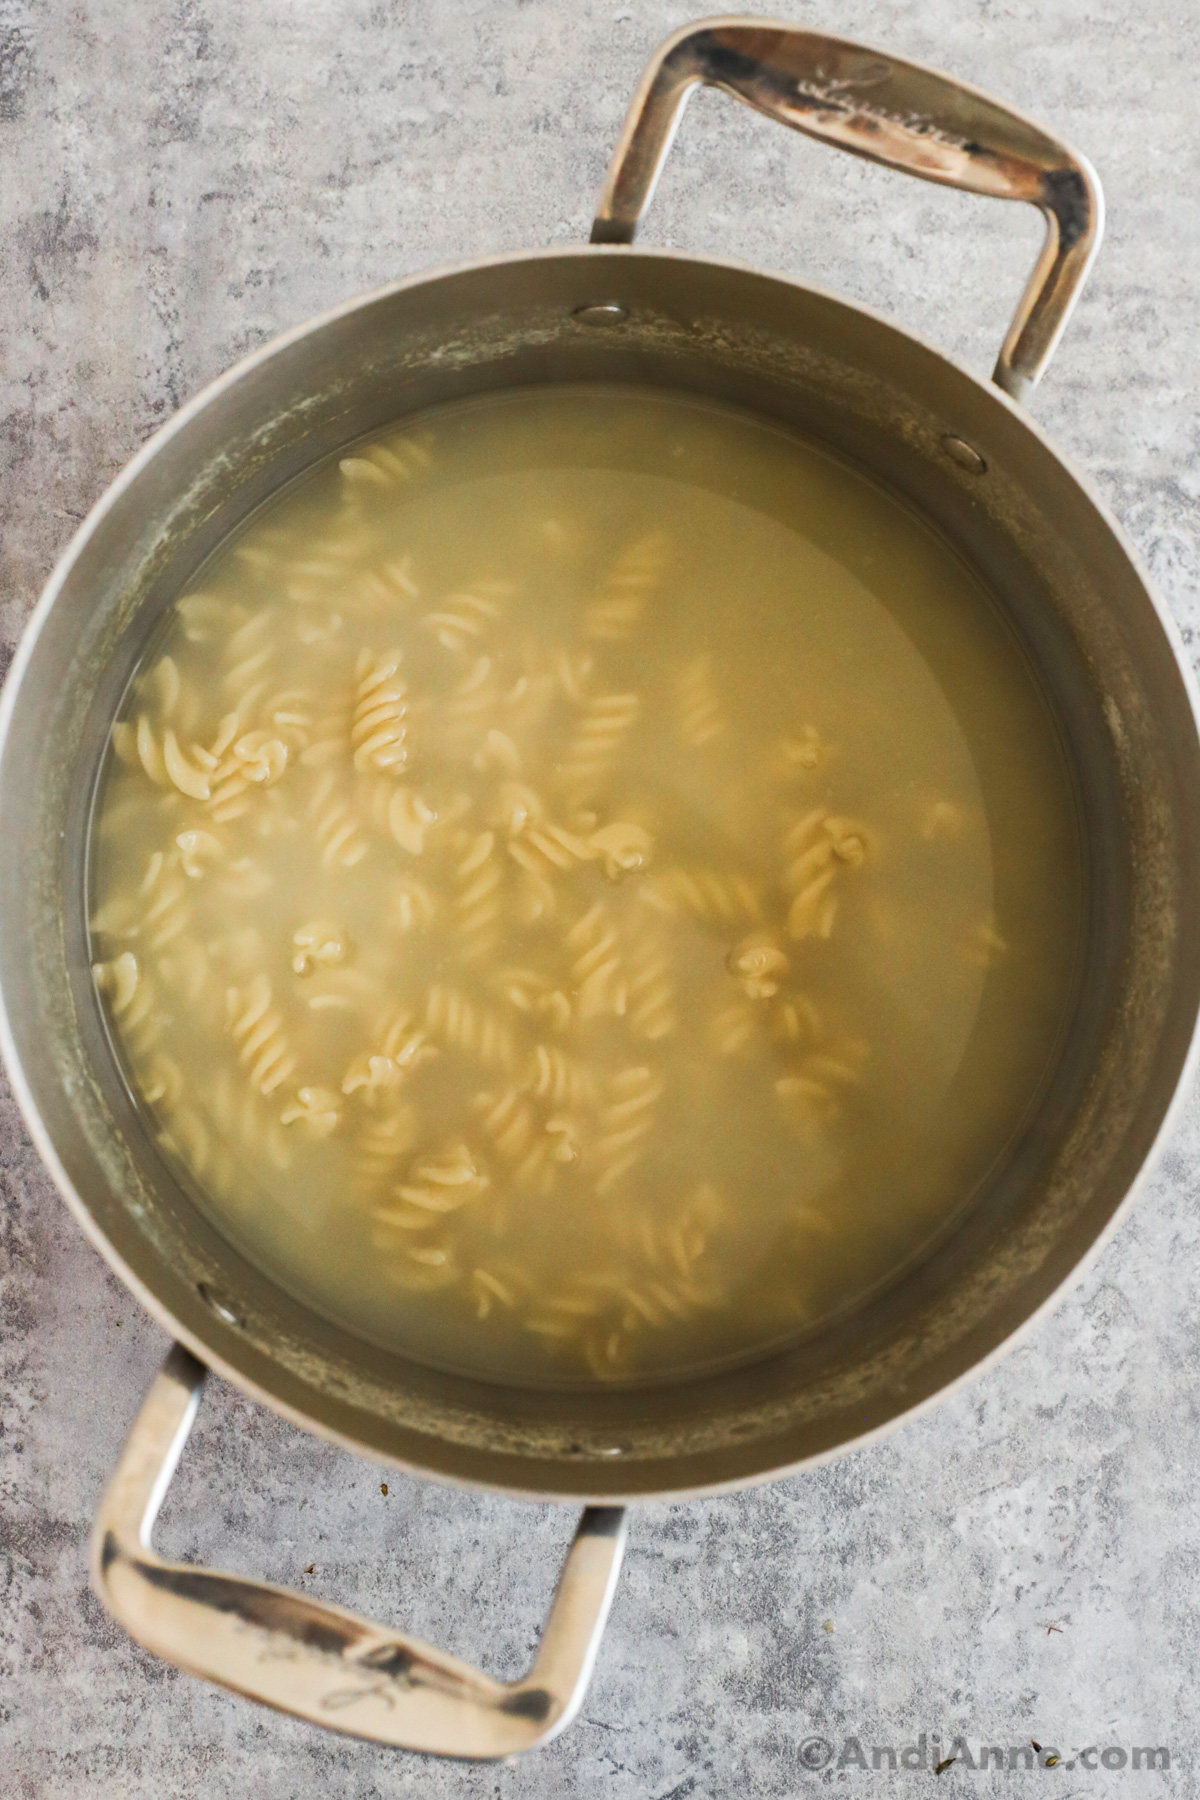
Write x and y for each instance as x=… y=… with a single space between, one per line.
x=967 y=457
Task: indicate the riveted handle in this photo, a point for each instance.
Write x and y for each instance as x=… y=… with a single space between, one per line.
x=890 y=111
x=322 y=1662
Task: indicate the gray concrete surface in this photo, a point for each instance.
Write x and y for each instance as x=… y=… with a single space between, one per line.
x=183 y=178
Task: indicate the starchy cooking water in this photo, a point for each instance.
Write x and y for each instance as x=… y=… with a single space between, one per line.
x=585 y=886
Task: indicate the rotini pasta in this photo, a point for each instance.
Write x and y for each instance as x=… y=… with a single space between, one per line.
x=816 y=847
x=474 y=1030
x=489 y=1290
x=561 y=1079
x=597 y=974
x=625 y=1122
x=759 y=965
x=701 y=716
x=796 y=755
x=528 y=905
x=599 y=738
x=319 y=944
x=384 y=1138
x=316 y=1109
x=404 y=1046
x=651 y=994
x=714 y=898
x=379 y=730
x=544 y=850
x=477 y=904
x=463 y=619
x=411 y=905
x=337 y=828
x=131 y=1000
x=442 y=1183
x=518 y=1138
x=635 y=575
x=385 y=465
x=256 y=1027
x=166 y=912
x=239 y=1123
x=534 y=993
x=409 y=818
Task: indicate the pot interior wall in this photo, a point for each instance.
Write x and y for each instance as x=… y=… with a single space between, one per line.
x=1055 y=567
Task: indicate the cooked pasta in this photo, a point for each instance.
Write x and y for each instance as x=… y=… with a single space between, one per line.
x=583 y=888
x=463 y=619
x=651 y=994
x=472 y=1029
x=597 y=743
x=478 y=902
x=256 y=1027
x=701 y=715
x=637 y=572
x=337 y=829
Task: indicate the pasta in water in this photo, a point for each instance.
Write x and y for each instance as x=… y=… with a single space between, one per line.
x=585 y=888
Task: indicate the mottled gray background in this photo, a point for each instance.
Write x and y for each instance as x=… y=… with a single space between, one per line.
x=179 y=182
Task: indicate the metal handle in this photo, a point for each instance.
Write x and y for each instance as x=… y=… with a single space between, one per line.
x=890 y=111
x=322 y=1662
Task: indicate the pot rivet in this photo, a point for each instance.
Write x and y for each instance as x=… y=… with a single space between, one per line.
x=601 y=312
x=226 y=1313
x=964 y=454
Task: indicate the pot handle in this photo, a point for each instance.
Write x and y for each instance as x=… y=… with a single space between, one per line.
x=322 y=1662
x=890 y=111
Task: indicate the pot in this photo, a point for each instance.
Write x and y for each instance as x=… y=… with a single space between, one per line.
x=958 y=450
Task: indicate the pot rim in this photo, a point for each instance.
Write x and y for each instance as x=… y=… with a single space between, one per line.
x=27 y=1104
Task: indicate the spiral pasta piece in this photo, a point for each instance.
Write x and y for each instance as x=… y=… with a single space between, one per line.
x=379 y=728
x=168 y=911
x=120 y=979
x=409 y=818
x=544 y=850
x=411 y=905
x=463 y=619
x=462 y=1025
x=625 y=1123
x=384 y=1139
x=315 y=1109
x=337 y=828
x=518 y=1138
x=229 y=796
x=208 y=617
x=403 y=1048
x=472 y=703
x=711 y=897
x=563 y=1080
x=256 y=1027
x=533 y=993
x=385 y=466
x=444 y=1182
x=700 y=713
x=637 y=573
x=758 y=965
x=385 y=587
x=597 y=743
x=817 y=847
x=651 y=1005
x=597 y=973
x=249 y=654
x=319 y=944
x=488 y=1290
x=477 y=905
